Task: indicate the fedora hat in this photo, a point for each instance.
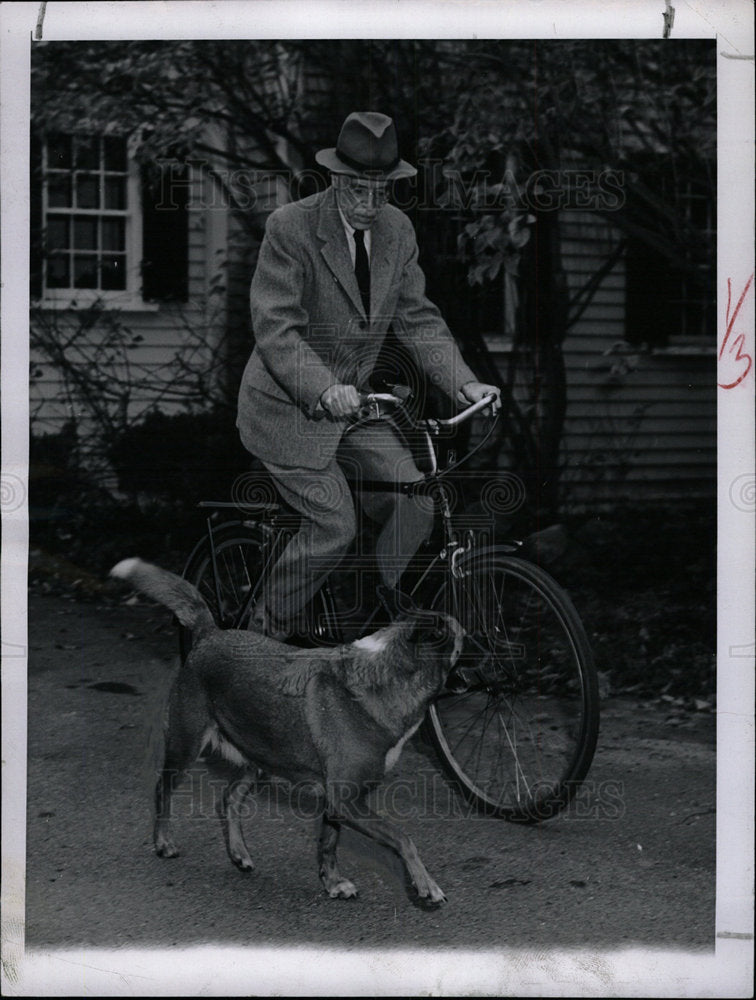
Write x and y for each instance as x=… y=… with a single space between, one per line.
x=366 y=145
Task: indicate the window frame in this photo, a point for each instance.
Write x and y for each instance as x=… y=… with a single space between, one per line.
x=128 y=298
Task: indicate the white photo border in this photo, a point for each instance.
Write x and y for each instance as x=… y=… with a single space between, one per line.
x=310 y=971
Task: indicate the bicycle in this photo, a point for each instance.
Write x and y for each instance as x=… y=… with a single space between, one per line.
x=519 y=739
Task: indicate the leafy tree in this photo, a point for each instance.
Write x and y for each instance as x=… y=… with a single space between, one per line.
x=641 y=116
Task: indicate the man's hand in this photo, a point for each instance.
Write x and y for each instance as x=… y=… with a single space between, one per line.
x=341 y=401
x=471 y=392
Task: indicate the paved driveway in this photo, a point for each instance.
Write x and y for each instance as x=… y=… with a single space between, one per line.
x=631 y=864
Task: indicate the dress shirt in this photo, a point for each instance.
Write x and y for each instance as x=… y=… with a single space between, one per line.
x=349 y=230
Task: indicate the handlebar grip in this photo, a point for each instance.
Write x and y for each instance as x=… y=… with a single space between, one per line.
x=472 y=409
x=379 y=397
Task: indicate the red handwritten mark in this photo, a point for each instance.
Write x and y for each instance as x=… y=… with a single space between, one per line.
x=739 y=341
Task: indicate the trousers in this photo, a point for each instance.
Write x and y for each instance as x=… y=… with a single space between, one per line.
x=328 y=524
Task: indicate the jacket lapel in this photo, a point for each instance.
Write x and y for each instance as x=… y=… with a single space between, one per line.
x=335 y=251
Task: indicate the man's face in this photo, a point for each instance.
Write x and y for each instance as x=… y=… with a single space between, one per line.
x=360 y=199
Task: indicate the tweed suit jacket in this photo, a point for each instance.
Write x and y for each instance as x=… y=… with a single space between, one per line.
x=311 y=330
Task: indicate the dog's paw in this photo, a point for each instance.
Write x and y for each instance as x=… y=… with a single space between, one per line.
x=243 y=862
x=430 y=896
x=342 y=889
x=166 y=849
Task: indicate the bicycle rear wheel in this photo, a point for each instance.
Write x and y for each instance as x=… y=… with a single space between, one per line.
x=517 y=728
x=228 y=575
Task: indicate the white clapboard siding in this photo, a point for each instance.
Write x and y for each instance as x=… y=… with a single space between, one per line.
x=191 y=328
x=639 y=426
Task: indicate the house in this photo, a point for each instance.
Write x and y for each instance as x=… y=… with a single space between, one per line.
x=140 y=274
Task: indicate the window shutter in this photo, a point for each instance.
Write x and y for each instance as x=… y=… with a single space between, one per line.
x=35 y=218
x=165 y=233
x=649 y=295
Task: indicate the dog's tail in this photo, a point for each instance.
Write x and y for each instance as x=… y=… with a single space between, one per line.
x=166 y=588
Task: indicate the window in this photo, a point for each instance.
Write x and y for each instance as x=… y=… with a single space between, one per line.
x=671 y=300
x=95 y=231
x=87 y=213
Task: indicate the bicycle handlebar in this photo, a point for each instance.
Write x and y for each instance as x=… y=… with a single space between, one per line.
x=380 y=397
x=371 y=402
x=460 y=418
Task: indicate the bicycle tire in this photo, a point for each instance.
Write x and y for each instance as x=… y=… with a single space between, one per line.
x=519 y=736
x=242 y=552
x=240 y=560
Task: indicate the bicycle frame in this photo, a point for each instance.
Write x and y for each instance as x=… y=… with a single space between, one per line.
x=516 y=725
x=455 y=545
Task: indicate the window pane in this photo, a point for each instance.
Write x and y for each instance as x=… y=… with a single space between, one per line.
x=85 y=272
x=59 y=152
x=87 y=153
x=85 y=232
x=87 y=191
x=113 y=234
x=58 y=272
x=115 y=153
x=59 y=190
x=115 y=193
x=114 y=273
x=58 y=233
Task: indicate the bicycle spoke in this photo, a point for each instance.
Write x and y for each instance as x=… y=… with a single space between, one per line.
x=519 y=734
x=481 y=741
x=469 y=728
x=519 y=772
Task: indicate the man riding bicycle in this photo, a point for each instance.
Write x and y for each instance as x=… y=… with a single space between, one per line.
x=335 y=270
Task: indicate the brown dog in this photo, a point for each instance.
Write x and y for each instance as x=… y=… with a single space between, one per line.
x=335 y=719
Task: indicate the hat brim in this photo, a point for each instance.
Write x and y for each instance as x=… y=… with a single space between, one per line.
x=328 y=158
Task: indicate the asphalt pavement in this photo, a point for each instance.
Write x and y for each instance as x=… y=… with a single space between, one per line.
x=631 y=864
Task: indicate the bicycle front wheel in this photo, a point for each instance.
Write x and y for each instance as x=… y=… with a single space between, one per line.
x=516 y=728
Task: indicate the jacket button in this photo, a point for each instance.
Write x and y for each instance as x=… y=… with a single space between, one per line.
x=363 y=324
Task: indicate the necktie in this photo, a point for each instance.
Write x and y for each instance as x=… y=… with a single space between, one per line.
x=362 y=269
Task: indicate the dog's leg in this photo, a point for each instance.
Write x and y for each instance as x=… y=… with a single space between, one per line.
x=335 y=884
x=182 y=743
x=233 y=800
x=167 y=781
x=359 y=817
